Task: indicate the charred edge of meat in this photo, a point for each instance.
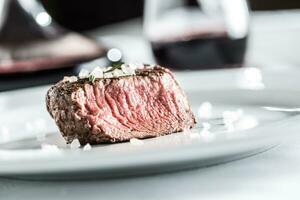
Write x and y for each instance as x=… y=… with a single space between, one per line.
x=64 y=110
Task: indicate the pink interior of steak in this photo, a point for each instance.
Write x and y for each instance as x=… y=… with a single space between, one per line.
x=136 y=106
x=147 y=104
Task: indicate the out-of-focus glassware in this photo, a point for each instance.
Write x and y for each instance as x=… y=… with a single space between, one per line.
x=197 y=34
x=31 y=41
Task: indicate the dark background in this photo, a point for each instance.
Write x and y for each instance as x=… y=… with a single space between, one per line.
x=90 y=14
x=81 y=15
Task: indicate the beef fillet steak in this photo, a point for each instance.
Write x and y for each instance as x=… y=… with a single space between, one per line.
x=107 y=110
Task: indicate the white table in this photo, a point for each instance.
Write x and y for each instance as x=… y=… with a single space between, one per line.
x=271 y=175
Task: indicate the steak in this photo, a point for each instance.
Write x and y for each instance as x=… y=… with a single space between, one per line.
x=107 y=110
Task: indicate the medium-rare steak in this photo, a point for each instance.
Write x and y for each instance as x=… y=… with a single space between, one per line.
x=146 y=104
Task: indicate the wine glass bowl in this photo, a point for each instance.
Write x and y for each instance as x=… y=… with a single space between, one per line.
x=202 y=34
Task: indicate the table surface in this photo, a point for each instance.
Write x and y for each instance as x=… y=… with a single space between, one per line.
x=275 y=174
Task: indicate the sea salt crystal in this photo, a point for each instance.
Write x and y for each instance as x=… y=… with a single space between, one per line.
x=206 y=125
x=73 y=79
x=108 y=75
x=205 y=110
x=70 y=79
x=41 y=136
x=207 y=136
x=135 y=141
x=28 y=126
x=131 y=71
x=39 y=124
x=123 y=67
x=135 y=66
x=127 y=70
x=118 y=73
x=75 y=144
x=230 y=117
x=49 y=147
x=83 y=74
x=187 y=130
x=229 y=127
x=195 y=135
x=97 y=72
x=4 y=134
x=87 y=147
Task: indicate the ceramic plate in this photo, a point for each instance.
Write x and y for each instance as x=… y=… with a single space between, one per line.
x=240 y=112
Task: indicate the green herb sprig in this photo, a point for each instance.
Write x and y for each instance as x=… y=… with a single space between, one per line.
x=114 y=65
x=92 y=78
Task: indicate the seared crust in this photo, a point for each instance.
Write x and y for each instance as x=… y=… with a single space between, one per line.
x=63 y=104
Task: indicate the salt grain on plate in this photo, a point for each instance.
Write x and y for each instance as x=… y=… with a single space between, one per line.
x=135 y=141
x=75 y=144
x=207 y=136
x=41 y=136
x=186 y=130
x=230 y=117
x=39 y=124
x=4 y=134
x=206 y=126
x=205 y=110
x=49 y=147
x=194 y=135
x=87 y=147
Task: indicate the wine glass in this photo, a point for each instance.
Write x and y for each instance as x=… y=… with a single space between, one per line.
x=197 y=34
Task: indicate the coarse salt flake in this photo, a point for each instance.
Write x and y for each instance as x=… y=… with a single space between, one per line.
x=135 y=66
x=41 y=136
x=97 y=72
x=83 y=74
x=118 y=73
x=70 y=79
x=205 y=110
x=206 y=125
x=75 y=144
x=108 y=75
x=49 y=147
x=73 y=79
x=194 y=135
x=127 y=70
x=87 y=147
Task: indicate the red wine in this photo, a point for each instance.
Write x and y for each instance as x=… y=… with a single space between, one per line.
x=200 y=51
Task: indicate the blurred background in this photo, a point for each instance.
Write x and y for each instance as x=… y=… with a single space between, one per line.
x=82 y=16
x=41 y=44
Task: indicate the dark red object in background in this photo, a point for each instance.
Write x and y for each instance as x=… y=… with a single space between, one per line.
x=274 y=4
x=212 y=51
x=85 y=15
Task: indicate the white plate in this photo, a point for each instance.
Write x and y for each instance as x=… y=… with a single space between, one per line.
x=258 y=115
